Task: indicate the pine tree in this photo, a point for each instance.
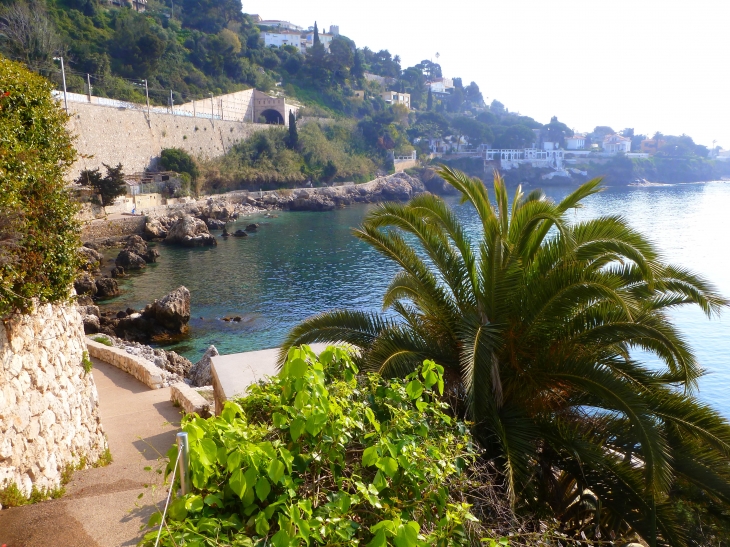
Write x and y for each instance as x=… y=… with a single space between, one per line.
x=429 y=100
x=315 y=40
x=293 y=135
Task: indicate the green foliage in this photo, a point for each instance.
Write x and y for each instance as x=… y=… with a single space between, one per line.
x=536 y=317
x=178 y=160
x=322 y=456
x=334 y=151
x=38 y=228
x=109 y=187
x=86 y=363
x=103 y=340
x=12 y=496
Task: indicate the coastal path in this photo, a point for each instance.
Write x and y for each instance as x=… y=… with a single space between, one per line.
x=102 y=507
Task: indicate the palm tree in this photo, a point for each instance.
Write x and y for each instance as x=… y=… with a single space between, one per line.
x=538 y=318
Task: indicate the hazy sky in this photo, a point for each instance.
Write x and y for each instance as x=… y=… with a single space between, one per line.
x=648 y=64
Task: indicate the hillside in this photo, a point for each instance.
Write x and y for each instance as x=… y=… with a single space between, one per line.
x=193 y=48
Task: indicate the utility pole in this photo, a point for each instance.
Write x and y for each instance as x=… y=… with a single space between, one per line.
x=147 y=96
x=63 y=77
x=194 y=114
x=172 y=104
x=88 y=82
x=212 y=113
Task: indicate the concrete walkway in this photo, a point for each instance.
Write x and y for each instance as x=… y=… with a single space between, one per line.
x=101 y=506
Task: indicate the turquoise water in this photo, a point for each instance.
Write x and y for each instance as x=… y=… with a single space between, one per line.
x=299 y=264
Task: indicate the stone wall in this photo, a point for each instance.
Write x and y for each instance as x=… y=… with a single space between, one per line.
x=103 y=228
x=146 y=372
x=49 y=407
x=115 y=135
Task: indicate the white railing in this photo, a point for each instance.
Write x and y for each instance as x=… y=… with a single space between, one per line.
x=115 y=103
x=412 y=157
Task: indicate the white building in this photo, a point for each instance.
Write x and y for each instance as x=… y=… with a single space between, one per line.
x=393 y=97
x=510 y=158
x=276 y=23
x=284 y=38
x=441 y=86
x=324 y=39
x=576 y=142
x=615 y=144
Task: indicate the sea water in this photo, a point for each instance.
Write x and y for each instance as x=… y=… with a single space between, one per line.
x=300 y=264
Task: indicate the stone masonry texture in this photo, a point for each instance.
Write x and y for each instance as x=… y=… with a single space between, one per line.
x=112 y=135
x=49 y=407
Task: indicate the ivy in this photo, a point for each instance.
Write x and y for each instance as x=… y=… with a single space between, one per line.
x=323 y=455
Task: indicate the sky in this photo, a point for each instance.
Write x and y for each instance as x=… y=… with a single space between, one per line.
x=647 y=64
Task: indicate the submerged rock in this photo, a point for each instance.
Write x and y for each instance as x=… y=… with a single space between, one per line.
x=240 y=233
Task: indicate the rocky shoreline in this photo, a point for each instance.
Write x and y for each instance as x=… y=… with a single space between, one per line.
x=177 y=367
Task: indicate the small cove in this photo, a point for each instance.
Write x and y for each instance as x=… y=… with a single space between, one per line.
x=299 y=264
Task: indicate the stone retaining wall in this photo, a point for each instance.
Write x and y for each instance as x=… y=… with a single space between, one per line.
x=146 y=372
x=49 y=406
x=103 y=228
x=112 y=135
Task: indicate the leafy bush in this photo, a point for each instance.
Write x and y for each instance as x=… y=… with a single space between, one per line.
x=38 y=228
x=103 y=340
x=178 y=160
x=322 y=456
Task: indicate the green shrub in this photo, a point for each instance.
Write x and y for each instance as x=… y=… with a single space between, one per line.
x=103 y=340
x=321 y=455
x=38 y=228
x=178 y=160
x=86 y=363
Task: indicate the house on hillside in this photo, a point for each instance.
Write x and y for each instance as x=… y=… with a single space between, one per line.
x=276 y=23
x=616 y=144
x=393 y=97
x=576 y=142
x=280 y=38
x=324 y=38
x=440 y=87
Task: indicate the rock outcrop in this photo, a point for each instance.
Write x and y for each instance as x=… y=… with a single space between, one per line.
x=91 y=259
x=397 y=187
x=172 y=311
x=164 y=319
x=190 y=232
x=200 y=374
x=85 y=285
x=136 y=254
x=106 y=287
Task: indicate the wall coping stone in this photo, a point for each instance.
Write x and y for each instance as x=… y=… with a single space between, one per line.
x=189 y=400
x=146 y=372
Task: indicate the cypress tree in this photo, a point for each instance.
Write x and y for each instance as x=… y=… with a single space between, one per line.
x=429 y=100
x=315 y=40
x=357 y=69
x=293 y=135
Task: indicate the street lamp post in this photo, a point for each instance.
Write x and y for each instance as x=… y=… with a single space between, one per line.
x=63 y=77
